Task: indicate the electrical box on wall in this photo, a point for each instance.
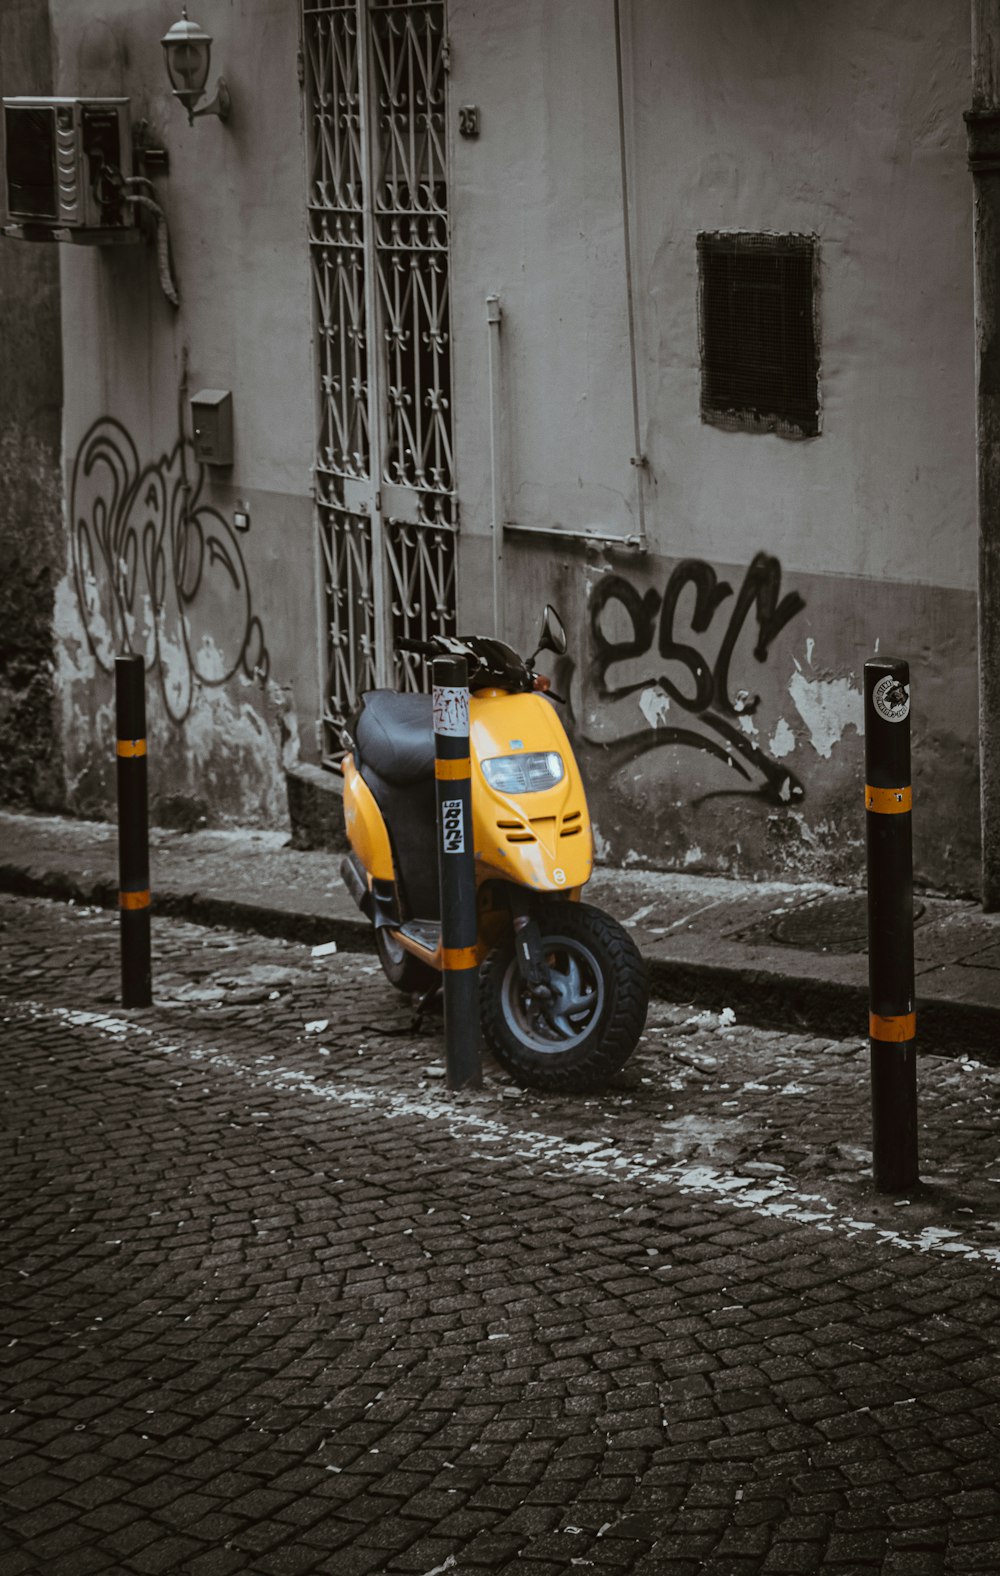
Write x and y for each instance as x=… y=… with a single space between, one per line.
x=212 y=417
x=66 y=161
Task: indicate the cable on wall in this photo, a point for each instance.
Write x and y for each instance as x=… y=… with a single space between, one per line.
x=147 y=203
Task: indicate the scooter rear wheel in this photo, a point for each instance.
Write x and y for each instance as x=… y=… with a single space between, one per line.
x=587 y=1030
x=400 y=967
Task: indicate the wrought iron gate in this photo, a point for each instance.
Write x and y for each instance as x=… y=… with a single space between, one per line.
x=375 y=75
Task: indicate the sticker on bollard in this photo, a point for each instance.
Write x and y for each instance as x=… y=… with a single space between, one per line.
x=452 y=827
x=451 y=711
x=891 y=699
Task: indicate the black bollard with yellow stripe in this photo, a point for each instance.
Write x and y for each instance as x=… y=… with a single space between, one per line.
x=456 y=873
x=892 y=1019
x=133 y=832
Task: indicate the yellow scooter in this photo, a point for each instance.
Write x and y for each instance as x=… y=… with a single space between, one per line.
x=563 y=1008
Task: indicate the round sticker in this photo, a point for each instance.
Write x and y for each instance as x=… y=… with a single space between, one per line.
x=559 y=877
x=891 y=699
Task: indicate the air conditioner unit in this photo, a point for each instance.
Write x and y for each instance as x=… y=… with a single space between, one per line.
x=65 y=162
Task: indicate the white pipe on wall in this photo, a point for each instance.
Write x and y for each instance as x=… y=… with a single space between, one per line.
x=494 y=317
x=638 y=457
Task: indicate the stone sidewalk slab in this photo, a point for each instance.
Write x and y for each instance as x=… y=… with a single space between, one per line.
x=779 y=952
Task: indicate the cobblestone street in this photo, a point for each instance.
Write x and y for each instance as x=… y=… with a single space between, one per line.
x=276 y=1302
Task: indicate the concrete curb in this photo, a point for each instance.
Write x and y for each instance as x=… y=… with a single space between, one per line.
x=763 y=996
x=823 y=1006
x=201 y=908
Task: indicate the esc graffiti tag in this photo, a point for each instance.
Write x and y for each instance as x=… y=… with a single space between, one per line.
x=704 y=691
x=146 y=549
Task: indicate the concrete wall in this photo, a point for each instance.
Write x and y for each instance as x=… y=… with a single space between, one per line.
x=226 y=619
x=32 y=545
x=842 y=122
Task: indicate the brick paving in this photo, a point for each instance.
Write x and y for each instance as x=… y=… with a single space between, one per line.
x=274 y=1301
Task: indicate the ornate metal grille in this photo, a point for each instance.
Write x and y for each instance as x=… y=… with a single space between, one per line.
x=422 y=562
x=411 y=240
x=346 y=542
x=336 y=233
x=378 y=234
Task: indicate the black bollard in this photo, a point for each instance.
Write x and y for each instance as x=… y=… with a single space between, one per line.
x=892 y=1019
x=133 y=832
x=456 y=873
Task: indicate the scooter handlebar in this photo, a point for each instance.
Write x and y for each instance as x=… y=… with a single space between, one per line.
x=420 y=648
x=490 y=661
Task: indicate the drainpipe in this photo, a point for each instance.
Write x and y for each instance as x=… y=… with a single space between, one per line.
x=983 y=125
x=494 y=317
x=639 y=459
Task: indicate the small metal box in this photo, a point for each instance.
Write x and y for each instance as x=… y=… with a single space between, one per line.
x=212 y=416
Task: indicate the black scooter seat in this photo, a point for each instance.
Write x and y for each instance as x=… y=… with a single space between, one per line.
x=394 y=733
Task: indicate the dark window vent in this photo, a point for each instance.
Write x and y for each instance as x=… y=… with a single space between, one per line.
x=759 y=334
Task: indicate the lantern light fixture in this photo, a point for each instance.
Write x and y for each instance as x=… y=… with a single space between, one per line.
x=187 y=50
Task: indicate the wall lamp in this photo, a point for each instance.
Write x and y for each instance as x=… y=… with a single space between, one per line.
x=187 y=50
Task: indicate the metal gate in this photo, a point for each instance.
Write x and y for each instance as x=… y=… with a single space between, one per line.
x=375 y=73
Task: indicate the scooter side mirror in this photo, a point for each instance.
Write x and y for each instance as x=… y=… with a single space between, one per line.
x=553 y=637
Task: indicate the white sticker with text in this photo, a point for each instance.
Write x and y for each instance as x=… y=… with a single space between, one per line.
x=452 y=826
x=891 y=699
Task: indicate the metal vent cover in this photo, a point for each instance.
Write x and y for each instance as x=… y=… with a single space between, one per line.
x=759 y=333
x=831 y=924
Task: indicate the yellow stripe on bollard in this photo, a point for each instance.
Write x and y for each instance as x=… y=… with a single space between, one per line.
x=459 y=958
x=452 y=771
x=130 y=748
x=892 y=1030
x=888 y=801
x=134 y=899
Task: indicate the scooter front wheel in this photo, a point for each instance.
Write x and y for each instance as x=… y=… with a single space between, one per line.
x=575 y=1038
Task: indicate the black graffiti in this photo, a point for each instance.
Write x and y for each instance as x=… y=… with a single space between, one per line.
x=149 y=554
x=706 y=690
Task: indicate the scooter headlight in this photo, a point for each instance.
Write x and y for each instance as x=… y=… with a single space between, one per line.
x=524 y=773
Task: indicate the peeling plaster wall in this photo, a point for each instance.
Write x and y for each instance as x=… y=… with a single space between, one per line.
x=843 y=122
x=32 y=548
x=755 y=767
x=225 y=619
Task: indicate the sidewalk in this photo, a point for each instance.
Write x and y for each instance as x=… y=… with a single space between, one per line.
x=780 y=954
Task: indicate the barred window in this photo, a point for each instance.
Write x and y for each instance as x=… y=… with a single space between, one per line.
x=759 y=339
